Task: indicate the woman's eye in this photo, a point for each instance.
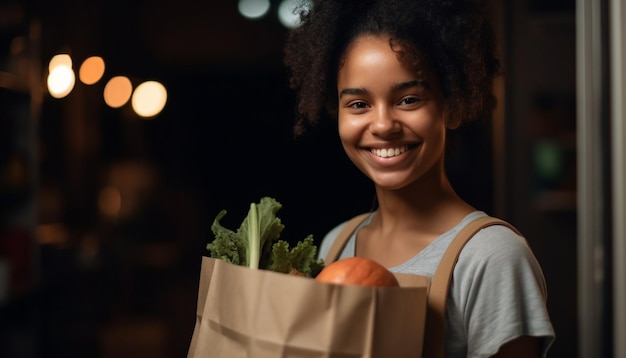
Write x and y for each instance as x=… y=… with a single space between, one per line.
x=358 y=105
x=409 y=100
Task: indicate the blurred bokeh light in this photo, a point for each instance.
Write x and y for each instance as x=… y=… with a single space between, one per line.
x=92 y=70
x=58 y=60
x=253 y=9
x=149 y=99
x=110 y=201
x=287 y=13
x=117 y=91
x=61 y=81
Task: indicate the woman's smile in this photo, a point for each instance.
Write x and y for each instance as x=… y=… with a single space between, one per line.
x=389 y=152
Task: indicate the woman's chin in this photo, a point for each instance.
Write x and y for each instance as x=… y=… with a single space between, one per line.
x=387 y=182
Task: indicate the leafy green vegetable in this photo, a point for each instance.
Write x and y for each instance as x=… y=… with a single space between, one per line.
x=300 y=258
x=256 y=242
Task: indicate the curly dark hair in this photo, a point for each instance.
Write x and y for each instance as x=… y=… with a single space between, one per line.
x=454 y=37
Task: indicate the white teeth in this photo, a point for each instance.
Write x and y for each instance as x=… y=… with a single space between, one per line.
x=388 y=152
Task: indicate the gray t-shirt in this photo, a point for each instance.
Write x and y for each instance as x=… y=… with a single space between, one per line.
x=498 y=291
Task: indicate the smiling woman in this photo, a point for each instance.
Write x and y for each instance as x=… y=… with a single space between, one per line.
x=399 y=76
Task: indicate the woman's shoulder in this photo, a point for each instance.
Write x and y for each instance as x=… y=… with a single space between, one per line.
x=497 y=251
x=497 y=241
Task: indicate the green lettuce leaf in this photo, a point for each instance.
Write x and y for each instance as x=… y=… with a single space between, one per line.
x=256 y=243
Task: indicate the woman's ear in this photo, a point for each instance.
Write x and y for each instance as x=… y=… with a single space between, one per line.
x=454 y=122
x=453 y=119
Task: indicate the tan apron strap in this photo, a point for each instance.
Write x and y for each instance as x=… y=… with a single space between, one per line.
x=343 y=237
x=435 y=319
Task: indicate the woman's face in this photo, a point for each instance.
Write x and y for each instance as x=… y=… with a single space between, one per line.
x=391 y=117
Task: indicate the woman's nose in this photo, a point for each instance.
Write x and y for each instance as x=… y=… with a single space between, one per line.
x=384 y=123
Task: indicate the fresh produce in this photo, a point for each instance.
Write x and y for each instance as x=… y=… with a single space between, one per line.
x=357 y=271
x=256 y=243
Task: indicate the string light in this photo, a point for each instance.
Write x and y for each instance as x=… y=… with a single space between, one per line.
x=287 y=15
x=253 y=9
x=60 y=81
x=92 y=70
x=117 y=91
x=148 y=99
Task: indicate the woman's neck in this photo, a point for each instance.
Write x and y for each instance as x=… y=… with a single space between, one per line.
x=430 y=204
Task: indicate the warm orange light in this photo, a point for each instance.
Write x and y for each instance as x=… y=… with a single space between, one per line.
x=110 y=201
x=117 y=91
x=52 y=234
x=61 y=81
x=149 y=99
x=60 y=59
x=91 y=70
x=61 y=77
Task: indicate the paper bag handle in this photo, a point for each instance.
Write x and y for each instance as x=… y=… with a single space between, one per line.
x=438 y=292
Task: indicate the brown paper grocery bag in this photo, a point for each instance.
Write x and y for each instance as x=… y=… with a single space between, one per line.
x=258 y=313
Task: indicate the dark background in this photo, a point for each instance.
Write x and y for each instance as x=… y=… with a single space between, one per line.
x=84 y=284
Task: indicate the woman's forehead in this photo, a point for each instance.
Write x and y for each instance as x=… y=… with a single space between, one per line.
x=404 y=50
